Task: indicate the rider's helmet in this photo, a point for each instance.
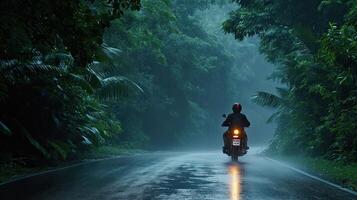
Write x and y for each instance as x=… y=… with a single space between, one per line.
x=237 y=108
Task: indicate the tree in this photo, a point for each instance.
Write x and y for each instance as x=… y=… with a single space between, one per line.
x=314 y=60
x=49 y=81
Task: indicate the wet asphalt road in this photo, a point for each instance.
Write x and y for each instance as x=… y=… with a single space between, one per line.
x=171 y=176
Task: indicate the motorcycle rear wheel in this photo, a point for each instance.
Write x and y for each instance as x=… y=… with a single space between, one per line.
x=234 y=154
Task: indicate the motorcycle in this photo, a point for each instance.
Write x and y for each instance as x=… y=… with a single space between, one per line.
x=236 y=149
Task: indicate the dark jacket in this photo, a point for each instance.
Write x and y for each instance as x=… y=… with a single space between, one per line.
x=236 y=120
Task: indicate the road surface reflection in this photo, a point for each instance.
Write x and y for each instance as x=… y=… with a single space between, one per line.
x=235 y=184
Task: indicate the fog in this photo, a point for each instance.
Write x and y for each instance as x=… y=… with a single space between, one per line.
x=125 y=99
x=250 y=73
x=158 y=76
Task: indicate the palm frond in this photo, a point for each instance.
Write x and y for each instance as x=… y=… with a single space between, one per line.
x=61 y=148
x=80 y=81
x=110 y=85
x=106 y=53
x=274 y=117
x=110 y=51
x=6 y=65
x=267 y=99
x=103 y=70
x=14 y=66
x=62 y=60
x=283 y=92
x=35 y=143
x=4 y=129
x=117 y=87
x=91 y=135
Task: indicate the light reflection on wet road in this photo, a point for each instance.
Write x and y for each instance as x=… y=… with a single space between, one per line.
x=174 y=176
x=235 y=183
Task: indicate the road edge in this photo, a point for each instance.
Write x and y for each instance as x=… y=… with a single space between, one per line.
x=79 y=163
x=311 y=176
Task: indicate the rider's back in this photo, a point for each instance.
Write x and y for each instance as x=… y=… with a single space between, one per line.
x=238 y=120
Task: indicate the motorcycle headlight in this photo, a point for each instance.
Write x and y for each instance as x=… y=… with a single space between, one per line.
x=236 y=132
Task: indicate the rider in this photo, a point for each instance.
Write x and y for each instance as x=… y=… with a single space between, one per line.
x=236 y=119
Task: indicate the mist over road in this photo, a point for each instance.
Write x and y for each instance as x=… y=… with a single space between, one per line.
x=174 y=175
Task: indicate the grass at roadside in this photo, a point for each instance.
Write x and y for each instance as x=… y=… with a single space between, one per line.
x=338 y=172
x=13 y=170
x=109 y=151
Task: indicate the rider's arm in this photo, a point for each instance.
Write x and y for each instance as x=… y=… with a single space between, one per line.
x=228 y=121
x=246 y=123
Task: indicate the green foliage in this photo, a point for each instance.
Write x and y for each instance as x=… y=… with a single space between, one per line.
x=314 y=45
x=47 y=26
x=342 y=173
x=109 y=84
x=77 y=75
x=267 y=99
x=4 y=129
x=54 y=118
x=178 y=65
x=48 y=89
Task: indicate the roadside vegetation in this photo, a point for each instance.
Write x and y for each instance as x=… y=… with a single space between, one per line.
x=11 y=170
x=89 y=79
x=337 y=172
x=313 y=43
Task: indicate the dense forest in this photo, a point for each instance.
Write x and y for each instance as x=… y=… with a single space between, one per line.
x=76 y=75
x=313 y=43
